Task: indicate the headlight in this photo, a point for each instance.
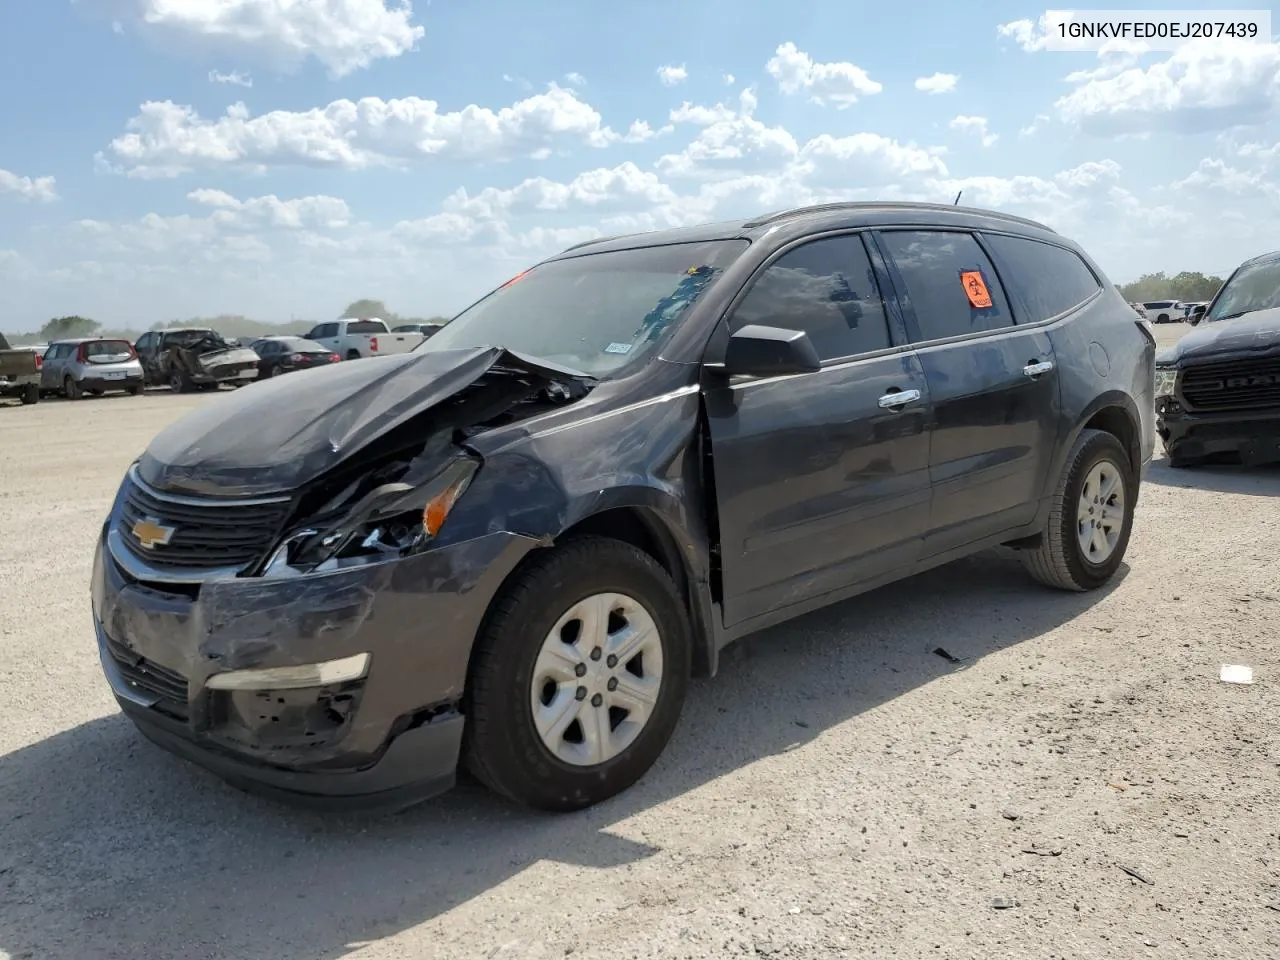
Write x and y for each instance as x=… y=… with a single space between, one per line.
x=1166 y=380
x=391 y=520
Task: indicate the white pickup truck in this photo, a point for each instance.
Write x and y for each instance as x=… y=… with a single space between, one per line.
x=365 y=337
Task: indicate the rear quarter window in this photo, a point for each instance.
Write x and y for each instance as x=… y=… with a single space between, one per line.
x=366 y=326
x=1050 y=280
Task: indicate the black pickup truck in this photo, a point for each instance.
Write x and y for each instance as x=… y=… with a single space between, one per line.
x=1218 y=388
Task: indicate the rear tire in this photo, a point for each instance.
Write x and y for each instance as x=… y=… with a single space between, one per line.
x=71 y=390
x=1079 y=512
x=523 y=663
x=135 y=391
x=353 y=355
x=30 y=394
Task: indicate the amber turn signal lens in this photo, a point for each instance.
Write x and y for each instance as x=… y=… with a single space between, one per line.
x=438 y=507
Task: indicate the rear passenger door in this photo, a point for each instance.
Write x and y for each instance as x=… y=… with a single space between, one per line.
x=821 y=478
x=994 y=387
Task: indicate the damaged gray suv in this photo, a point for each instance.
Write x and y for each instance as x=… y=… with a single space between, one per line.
x=512 y=547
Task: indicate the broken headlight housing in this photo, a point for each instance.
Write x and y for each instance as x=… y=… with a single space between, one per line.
x=1165 y=388
x=392 y=520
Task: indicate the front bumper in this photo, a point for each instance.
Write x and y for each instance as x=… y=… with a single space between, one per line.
x=389 y=739
x=1253 y=436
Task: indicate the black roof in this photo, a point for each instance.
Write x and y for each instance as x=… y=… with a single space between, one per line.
x=820 y=217
x=1262 y=258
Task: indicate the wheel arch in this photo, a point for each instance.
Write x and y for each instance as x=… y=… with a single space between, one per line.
x=654 y=521
x=1115 y=413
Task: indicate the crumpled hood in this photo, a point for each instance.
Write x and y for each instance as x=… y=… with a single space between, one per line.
x=276 y=435
x=1255 y=331
x=213 y=359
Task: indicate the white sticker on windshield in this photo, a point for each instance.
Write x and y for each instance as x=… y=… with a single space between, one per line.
x=618 y=348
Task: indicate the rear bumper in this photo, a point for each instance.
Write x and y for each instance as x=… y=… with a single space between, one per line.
x=14 y=386
x=132 y=381
x=1253 y=436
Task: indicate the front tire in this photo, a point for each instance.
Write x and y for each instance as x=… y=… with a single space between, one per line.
x=1090 y=517
x=579 y=676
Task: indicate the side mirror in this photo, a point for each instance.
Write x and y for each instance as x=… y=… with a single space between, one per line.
x=760 y=351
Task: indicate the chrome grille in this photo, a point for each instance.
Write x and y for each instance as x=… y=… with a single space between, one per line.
x=203 y=534
x=1245 y=383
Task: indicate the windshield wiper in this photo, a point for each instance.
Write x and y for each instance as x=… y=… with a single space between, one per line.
x=1241 y=313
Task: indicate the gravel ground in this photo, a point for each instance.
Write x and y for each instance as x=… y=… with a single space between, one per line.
x=837 y=791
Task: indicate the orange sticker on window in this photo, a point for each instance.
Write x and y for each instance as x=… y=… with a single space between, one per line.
x=975 y=288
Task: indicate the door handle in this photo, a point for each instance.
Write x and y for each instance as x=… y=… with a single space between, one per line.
x=1037 y=367
x=899 y=398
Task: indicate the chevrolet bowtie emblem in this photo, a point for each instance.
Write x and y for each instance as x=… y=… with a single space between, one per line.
x=151 y=533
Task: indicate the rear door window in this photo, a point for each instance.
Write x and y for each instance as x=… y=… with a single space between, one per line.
x=825 y=288
x=950 y=283
x=1049 y=280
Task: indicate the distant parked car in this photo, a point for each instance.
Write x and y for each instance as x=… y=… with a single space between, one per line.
x=1164 y=311
x=277 y=355
x=1193 y=310
x=92 y=365
x=353 y=339
x=194 y=357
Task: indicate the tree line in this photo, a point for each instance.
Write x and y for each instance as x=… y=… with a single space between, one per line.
x=1187 y=285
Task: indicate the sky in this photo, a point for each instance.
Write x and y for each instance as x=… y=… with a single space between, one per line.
x=168 y=159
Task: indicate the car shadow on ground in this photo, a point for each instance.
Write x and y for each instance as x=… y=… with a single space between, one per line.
x=1255 y=481
x=111 y=848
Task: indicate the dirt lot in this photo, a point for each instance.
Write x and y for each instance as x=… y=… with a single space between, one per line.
x=838 y=791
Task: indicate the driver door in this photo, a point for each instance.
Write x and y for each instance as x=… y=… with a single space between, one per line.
x=821 y=479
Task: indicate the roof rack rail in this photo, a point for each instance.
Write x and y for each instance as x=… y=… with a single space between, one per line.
x=616 y=236
x=768 y=218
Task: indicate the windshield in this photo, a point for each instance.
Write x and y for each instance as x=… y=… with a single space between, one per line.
x=593 y=313
x=108 y=351
x=1255 y=286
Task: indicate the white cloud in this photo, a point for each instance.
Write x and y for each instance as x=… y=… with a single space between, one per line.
x=975 y=125
x=937 y=83
x=729 y=79
x=235 y=78
x=1031 y=129
x=595 y=189
x=838 y=83
x=320 y=212
x=1030 y=35
x=343 y=35
x=43 y=189
x=733 y=145
x=672 y=75
x=167 y=140
x=1203 y=86
x=575 y=78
